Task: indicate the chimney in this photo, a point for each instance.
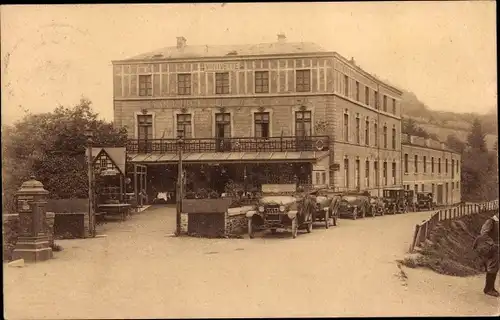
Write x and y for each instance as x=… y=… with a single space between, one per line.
x=281 y=38
x=428 y=142
x=443 y=145
x=412 y=139
x=181 y=42
x=353 y=61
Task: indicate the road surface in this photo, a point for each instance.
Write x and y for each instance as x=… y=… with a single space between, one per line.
x=140 y=271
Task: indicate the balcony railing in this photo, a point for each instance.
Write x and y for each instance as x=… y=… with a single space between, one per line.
x=274 y=144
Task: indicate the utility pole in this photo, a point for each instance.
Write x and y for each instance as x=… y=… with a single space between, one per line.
x=90 y=172
x=180 y=141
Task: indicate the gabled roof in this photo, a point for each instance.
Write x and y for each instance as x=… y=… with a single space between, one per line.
x=117 y=156
x=205 y=51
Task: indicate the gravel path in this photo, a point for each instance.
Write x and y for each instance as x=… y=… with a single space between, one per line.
x=140 y=271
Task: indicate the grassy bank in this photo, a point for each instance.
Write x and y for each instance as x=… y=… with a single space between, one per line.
x=449 y=249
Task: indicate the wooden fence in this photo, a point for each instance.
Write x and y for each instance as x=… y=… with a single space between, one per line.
x=423 y=229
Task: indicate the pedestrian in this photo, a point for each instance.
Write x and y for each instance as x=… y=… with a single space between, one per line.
x=486 y=245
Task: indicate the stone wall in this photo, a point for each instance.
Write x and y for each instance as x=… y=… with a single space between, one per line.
x=184 y=223
x=10 y=233
x=72 y=207
x=235 y=221
x=236 y=224
x=71 y=225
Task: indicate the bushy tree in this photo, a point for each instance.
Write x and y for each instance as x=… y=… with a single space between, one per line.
x=455 y=143
x=411 y=127
x=476 y=139
x=479 y=167
x=51 y=146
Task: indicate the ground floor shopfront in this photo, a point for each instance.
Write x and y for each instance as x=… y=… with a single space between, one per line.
x=215 y=172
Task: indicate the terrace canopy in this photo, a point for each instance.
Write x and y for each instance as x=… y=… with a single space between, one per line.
x=228 y=157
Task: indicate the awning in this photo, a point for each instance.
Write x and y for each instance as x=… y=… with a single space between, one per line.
x=228 y=157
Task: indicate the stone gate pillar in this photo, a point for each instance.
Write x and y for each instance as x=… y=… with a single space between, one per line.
x=33 y=242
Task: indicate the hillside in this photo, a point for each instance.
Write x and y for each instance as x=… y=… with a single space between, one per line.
x=444 y=123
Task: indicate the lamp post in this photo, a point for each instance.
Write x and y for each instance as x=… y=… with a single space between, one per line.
x=180 y=142
x=90 y=172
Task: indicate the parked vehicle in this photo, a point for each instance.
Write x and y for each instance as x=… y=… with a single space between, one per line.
x=424 y=201
x=377 y=206
x=354 y=205
x=394 y=200
x=410 y=201
x=327 y=203
x=277 y=211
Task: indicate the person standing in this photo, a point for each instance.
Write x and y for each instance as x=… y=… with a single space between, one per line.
x=486 y=245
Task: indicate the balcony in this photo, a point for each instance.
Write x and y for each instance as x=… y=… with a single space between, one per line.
x=275 y=144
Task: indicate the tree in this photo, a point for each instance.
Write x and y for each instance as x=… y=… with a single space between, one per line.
x=476 y=139
x=51 y=146
x=410 y=127
x=479 y=167
x=455 y=143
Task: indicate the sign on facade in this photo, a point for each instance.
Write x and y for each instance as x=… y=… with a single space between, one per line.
x=226 y=66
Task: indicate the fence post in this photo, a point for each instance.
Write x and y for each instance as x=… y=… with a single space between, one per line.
x=415 y=235
x=426 y=228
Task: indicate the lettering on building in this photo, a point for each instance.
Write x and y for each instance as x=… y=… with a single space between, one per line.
x=227 y=66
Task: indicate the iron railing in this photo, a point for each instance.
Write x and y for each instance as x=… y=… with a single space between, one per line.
x=274 y=144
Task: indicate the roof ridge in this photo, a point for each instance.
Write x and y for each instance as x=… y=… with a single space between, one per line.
x=214 y=50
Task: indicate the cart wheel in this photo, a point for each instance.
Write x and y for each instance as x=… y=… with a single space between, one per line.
x=273 y=231
x=295 y=228
x=250 y=229
x=327 y=219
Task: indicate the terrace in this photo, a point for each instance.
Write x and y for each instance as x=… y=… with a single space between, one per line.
x=247 y=144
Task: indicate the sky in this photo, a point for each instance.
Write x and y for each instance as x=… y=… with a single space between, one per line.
x=444 y=52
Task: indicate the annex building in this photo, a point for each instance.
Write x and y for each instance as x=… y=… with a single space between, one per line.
x=264 y=113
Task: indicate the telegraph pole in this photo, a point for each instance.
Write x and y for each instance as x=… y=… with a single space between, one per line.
x=90 y=172
x=180 y=191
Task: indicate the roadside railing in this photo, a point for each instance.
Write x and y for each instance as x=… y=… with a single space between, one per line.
x=424 y=229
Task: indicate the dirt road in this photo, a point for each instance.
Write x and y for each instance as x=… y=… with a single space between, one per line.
x=139 y=270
